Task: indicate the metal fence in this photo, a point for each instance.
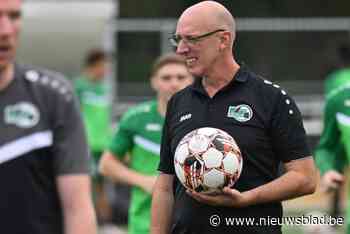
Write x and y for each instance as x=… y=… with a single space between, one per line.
x=308 y=93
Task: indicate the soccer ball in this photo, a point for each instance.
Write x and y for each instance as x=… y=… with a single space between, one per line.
x=208 y=159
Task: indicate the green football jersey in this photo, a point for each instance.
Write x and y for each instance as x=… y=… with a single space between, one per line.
x=95 y=101
x=337 y=79
x=139 y=134
x=333 y=151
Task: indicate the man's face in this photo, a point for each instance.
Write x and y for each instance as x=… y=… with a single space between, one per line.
x=99 y=70
x=200 y=54
x=170 y=79
x=10 y=22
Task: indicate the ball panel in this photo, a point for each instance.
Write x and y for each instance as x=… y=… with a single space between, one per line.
x=193 y=170
x=182 y=153
x=231 y=163
x=212 y=158
x=180 y=173
x=214 y=178
x=198 y=144
x=207 y=131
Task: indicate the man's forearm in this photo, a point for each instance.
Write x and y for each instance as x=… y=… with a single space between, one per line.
x=80 y=221
x=77 y=208
x=162 y=209
x=290 y=185
x=114 y=169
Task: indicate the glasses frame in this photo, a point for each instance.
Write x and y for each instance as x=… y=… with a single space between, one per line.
x=176 y=39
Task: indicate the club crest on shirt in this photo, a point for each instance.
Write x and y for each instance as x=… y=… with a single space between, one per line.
x=22 y=114
x=241 y=113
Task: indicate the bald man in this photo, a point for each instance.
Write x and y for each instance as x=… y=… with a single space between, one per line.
x=261 y=117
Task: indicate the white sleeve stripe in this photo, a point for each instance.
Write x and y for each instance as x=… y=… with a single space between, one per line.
x=343 y=119
x=23 y=145
x=147 y=144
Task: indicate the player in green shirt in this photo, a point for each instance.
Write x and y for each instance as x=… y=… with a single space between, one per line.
x=139 y=135
x=95 y=102
x=342 y=75
x=333 y=151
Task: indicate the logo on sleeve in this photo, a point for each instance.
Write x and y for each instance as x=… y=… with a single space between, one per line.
x=22 y=114
x=241 y=113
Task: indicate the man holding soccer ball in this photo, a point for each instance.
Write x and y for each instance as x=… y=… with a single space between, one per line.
x=260 y=116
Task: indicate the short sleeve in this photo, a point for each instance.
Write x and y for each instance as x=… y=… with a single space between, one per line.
x=166 y=164
x=287 y=130
x=122 y=141
x=329 y=154
x=70 y=148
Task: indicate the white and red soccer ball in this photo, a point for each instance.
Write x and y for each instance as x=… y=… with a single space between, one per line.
x=208 y=159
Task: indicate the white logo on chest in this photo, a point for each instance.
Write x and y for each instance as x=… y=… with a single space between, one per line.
x=22 y=114
x=185 y=117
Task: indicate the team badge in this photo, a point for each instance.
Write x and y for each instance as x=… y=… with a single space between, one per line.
x=241 y=113
x=22 y=114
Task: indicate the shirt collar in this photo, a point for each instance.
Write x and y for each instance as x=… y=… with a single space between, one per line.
x=241 y=76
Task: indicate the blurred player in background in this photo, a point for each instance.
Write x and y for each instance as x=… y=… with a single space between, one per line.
x=341 y=75
x=333 y=151
x=45 y=186
x=266 y=125
x=95 y=101
x=139 y=134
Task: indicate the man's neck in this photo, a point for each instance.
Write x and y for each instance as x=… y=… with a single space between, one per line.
x=161 y=106
x=220 y=77
x=6 y=76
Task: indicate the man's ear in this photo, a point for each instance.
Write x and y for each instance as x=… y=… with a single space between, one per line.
x=225 y=39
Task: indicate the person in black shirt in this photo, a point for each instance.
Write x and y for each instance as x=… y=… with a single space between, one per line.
x=258 y=114
x=45 y=187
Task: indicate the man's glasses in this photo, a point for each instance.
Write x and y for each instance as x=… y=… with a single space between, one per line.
x=190 y=40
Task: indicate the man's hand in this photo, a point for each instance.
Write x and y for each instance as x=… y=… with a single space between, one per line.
x=147 y=183
x=228 y=197
x=331 y=180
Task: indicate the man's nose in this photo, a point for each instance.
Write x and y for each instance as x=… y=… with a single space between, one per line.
x=182 y=47
x=6 y=26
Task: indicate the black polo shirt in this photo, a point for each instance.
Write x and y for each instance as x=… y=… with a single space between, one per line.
x=267 y=126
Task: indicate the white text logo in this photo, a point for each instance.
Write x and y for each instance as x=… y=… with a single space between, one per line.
x=185 y=117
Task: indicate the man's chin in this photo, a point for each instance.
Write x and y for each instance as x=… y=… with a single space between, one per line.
x=4 y=65
x=195 y=72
